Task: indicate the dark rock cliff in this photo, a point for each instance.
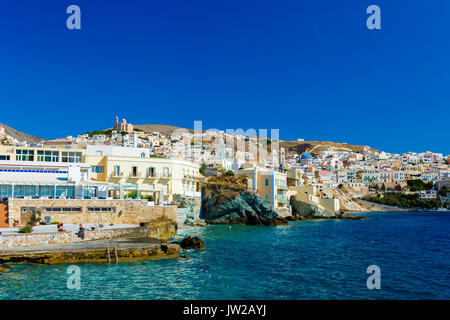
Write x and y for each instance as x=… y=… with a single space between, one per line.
x=226 y=200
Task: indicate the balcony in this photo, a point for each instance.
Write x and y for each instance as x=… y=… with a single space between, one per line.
x=116 y=175
x=165 y=176
x=193 y=194
x=190 y=176
x=281 y=199
x=136 y=175
x=284 y=188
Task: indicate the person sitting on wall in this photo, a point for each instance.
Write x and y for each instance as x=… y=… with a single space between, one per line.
x=61 y=226
x=81 y=231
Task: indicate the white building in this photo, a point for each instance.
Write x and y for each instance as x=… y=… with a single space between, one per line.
x=428 y=195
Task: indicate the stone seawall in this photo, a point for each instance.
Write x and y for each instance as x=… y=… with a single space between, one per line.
x=11 y=242
x=109 y=211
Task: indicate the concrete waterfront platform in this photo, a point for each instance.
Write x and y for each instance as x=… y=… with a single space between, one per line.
x=120 y=250
x=68 y=227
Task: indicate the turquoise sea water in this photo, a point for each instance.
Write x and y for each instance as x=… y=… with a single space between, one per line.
x=305 y=260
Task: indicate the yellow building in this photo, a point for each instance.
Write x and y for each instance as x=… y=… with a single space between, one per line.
x=271 y=185
x=294 y=177
x=159 y=177
x=129 y=168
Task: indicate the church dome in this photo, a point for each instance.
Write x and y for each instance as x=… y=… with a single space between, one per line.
x=306 y=156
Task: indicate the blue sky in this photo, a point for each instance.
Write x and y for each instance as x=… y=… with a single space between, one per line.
x=309 y=68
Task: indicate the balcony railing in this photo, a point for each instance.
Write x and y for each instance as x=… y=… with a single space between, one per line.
x=116 y=175
x=190 y=176
x=193 y=194
x=136 y=175
x=158 y=176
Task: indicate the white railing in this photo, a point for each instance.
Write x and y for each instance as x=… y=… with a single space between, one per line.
x=193 y=194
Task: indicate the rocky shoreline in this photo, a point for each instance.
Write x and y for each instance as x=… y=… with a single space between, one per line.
x=226 y=201
x=376 y=207
x=345 y=216
x=124 y=249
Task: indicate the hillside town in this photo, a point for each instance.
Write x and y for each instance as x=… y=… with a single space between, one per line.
x=126 y=162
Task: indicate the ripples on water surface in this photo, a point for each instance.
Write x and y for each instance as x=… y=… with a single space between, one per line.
x=305 y=260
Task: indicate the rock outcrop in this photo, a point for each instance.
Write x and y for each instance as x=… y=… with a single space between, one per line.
x=188 y=211
x=351 y=217
x=225 y=200
x=295 y=218
x=4 y=268
x=192 y=243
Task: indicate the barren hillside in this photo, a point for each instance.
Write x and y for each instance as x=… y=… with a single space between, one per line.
x=162 y=128
x=21 y=136
x=316 y=147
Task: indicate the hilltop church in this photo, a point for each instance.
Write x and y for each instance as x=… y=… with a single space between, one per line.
x=123 y=126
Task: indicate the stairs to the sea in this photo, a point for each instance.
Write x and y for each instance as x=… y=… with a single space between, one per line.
x=112 y=252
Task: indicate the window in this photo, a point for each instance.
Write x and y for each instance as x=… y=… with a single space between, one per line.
x=4 y=157
x=65 y=191
x=71 y=157
x=266 y=182
x=5 y=190
x=151 y=172
x=24 y=155
x=24 y=190
x=90 y=192
x=63 y=209
x=165 y=172
x=46 y=191
x=98 y=209
x=134 y=171
x=99 y=153
x=267 y=197
x=116 y=171
x=47 y=156
x=97 y=169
